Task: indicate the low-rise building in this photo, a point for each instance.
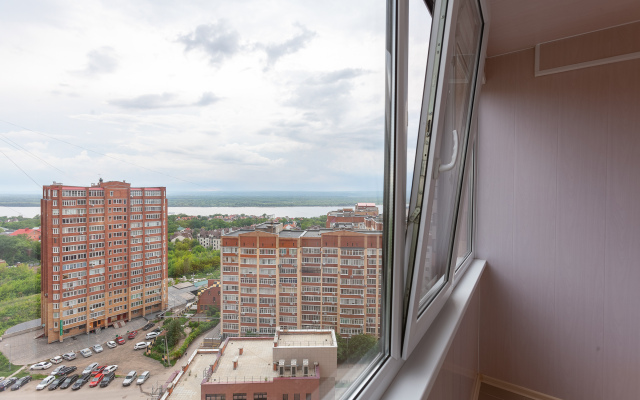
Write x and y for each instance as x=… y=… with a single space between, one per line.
x=31 y=234
x=209 y=296
x=295 y=364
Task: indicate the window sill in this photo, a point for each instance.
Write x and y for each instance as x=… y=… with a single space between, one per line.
x=417 y=375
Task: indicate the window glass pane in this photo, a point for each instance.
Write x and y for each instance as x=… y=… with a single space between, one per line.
x=419 y=32
x=452 y=143
x=464 y=233
x=234 y=107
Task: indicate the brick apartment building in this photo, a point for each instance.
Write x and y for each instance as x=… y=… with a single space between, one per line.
x=103 y=256
x=210 y=296
x=298 y=364
x=364 y=217
x=314 y=279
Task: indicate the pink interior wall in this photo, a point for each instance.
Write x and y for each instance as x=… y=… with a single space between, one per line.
x=559 y=224
x=457 y=376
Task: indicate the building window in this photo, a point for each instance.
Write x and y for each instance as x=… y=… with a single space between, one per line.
x=215 y=397
x=285 y=397
x=239 y=396
x=260 y=396
x=296 y=396
x=308 y=396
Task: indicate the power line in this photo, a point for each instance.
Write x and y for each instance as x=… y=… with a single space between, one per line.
x=23 y=171
x=17 y=146
x=102 y=154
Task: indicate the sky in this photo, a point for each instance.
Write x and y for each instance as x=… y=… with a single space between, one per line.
x=193 y=95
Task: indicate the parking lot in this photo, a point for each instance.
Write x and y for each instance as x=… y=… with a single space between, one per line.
x=124 y=356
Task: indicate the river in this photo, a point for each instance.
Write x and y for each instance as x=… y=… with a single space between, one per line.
x=30 y=212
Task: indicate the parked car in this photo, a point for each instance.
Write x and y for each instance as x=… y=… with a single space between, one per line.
x=110 y=369
x=151 y=335
x=57 y=370
x=67 y=370
x=128 y=380
x=69 y=356
x=90 y=368
x=158 y=330
x=143 y=377
x=120 y=340
x=55 y=384
x=21 y=382
x=81 y=381
x=107 y=379
x=98 y=370
x=69 y=381
x=45 y=382
x=41 y=365
x=6 y=383
x=86 y=352
x=141 y=345
x=111 y=344
x=132 y=334
x=97 y=348
x=148 y=326
x=95 y=381
x=56 y=359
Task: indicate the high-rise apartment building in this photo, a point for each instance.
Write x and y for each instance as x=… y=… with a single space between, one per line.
x=104 y=257
x=314 y=279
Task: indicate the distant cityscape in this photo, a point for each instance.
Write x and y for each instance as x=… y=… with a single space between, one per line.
x=103 y=263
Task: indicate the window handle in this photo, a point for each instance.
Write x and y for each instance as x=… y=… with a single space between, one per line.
x=454 y=157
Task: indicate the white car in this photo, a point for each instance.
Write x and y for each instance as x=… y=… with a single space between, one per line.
x=152 y=335
x=141 y=345
x=97 y=348
x=110 y=369
x=90 y=368
x=56 y=360
x=86 y=352
x=111 y=344
x=69 y=356
x=131 y=376
x=45 y=382
x=142 y=377
x=41 y=365
x=58 y=369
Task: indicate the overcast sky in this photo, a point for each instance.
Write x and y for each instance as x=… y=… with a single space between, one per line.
x=224 y=95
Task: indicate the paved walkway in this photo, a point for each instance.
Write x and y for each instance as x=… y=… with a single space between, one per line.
x=24 y=326
x=188 y=388
x=26 y=349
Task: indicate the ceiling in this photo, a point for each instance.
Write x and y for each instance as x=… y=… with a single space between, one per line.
x=521 y=24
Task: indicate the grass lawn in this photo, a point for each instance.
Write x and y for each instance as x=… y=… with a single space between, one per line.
x=21 y=309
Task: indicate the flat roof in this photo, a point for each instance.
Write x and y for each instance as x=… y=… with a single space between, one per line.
x=291 y=234
x=238 y=232
x=306 y=339
x=255 y=363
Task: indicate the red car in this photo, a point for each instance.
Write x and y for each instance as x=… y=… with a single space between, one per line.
x=120 y=340
x=132 y=334
x=98 y=370
x=96 y=380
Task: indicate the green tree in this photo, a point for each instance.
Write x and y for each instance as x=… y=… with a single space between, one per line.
x=15 y=249
x=174 y=331
x=213 y=313
x=355 y=347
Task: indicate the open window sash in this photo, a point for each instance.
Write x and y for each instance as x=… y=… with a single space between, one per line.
x=456 y=49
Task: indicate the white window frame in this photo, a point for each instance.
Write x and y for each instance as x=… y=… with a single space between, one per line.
x=381 y=372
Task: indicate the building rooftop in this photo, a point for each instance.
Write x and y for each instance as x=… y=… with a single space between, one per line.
x=291 y=234
x=255 y=363
x=311 y=339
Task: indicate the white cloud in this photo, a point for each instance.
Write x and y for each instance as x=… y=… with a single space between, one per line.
x=265 y=95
